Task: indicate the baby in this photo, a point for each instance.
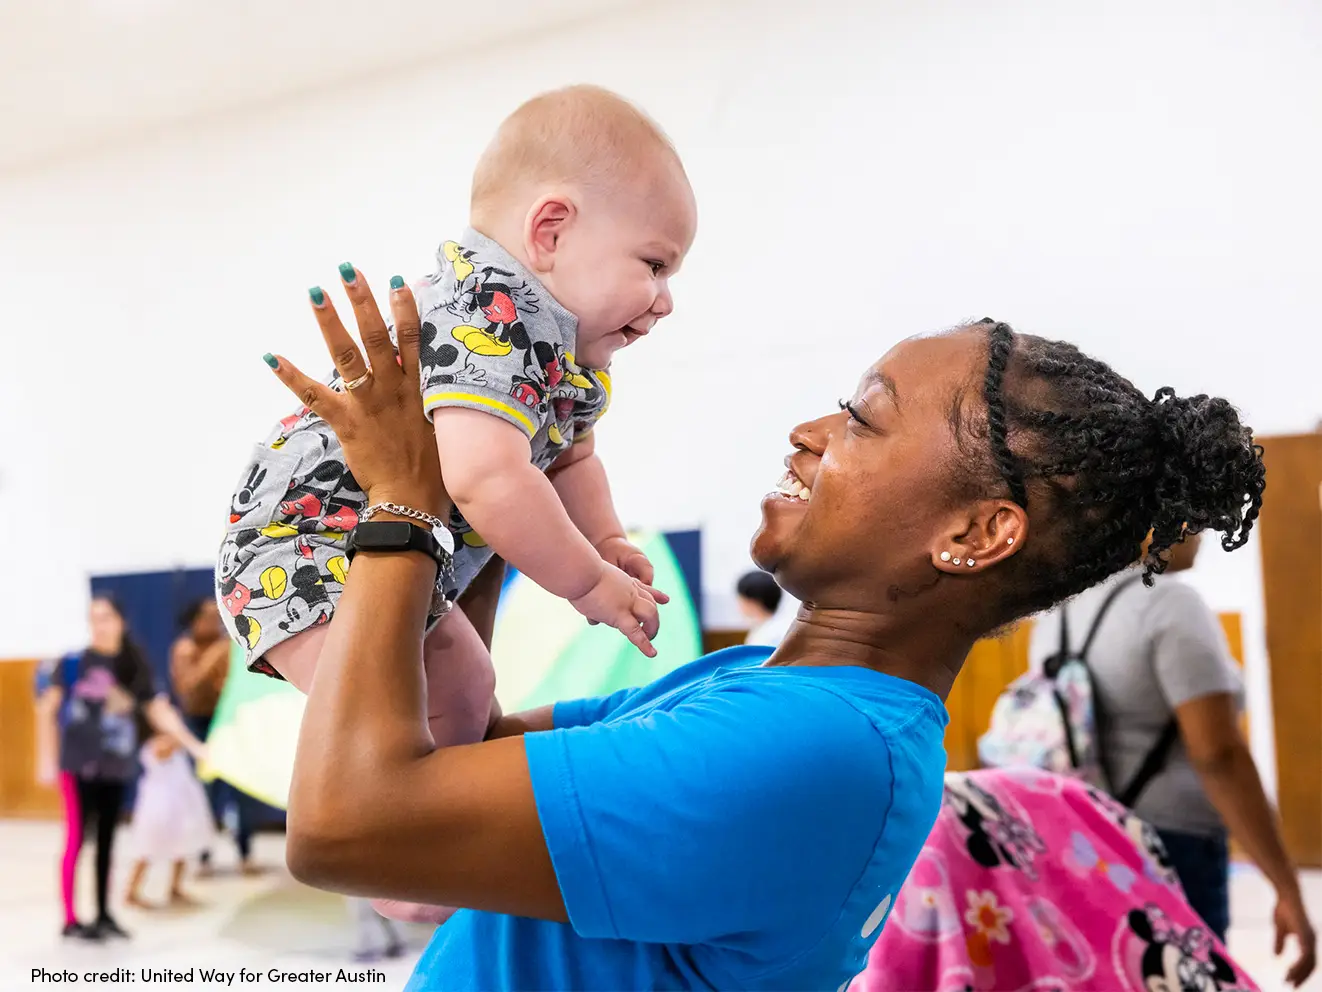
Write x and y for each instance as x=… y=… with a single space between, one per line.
x=581 y=212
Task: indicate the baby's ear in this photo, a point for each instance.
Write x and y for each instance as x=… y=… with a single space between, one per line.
x=548 y=219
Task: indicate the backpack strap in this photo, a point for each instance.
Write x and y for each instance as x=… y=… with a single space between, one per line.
x=1101 y=613
x=1153 y=763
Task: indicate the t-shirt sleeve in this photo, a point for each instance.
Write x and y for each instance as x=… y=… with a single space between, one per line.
x=1189 y=652
x=500 y=369
x=136 y=677
x=50 y=675
x=686 y=825
x=582 y=712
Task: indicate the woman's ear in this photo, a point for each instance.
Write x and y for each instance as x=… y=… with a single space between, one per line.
x=547 y=220
x=992 y=531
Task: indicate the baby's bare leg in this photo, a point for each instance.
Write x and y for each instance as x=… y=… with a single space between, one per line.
x=296 y=658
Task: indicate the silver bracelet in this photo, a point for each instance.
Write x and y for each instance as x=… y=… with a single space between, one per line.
x=439 y=530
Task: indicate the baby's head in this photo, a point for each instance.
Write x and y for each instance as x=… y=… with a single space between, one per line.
x=588 y=193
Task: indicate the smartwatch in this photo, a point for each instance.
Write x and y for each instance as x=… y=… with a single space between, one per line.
x=395 y=535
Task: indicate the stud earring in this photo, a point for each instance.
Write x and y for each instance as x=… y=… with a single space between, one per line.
x=970 y=563
x=945 y=556
x=1009 y=540
x=958 y=561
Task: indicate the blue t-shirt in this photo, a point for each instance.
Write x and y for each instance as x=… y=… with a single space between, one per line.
x=728 y=826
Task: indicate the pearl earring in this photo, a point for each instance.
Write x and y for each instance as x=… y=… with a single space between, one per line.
x=1009 y=540
x=945 y=556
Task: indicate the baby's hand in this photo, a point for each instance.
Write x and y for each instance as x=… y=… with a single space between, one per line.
x=631 y=561
x=623 y=603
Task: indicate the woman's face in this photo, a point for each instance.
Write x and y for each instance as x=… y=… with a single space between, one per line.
x=106 y=625
x=881 y=478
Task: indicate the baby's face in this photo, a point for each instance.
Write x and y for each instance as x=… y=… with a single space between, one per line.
x=613 y=265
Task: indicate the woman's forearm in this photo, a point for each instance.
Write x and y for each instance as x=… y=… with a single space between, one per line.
x=1233 y=786
x=165 y=719
x=48 y=735
x=365 y=722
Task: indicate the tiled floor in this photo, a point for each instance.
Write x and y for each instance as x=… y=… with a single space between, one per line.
x=272 y=922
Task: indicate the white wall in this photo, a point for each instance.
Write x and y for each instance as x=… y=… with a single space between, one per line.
x=1141 y=181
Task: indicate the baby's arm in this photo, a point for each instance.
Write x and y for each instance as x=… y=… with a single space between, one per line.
x=579 y=478
x=487 y=469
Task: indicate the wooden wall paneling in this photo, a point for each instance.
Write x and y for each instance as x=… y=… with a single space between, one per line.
x=20 y=796
x=1290 y=540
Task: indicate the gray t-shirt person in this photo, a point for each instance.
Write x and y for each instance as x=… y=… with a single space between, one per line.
x=1155 y=650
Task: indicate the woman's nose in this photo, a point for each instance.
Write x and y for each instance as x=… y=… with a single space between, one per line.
x=813 y=435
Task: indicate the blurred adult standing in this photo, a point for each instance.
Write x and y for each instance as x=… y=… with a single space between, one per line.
x=199 y=666
x=89 y=717
x=1166 y=684
x=766 y=607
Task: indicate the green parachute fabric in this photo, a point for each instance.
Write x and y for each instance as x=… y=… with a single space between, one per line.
x=542 y=649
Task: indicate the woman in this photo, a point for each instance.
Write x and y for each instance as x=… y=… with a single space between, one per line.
x=748 y=819
x=93 y=744
x=199 y=665
x=1167 y=687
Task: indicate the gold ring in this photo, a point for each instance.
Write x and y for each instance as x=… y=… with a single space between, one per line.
x=355 y=383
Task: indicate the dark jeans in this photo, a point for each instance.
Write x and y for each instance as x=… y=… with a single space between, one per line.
x=1203 y=866
x=222 y=796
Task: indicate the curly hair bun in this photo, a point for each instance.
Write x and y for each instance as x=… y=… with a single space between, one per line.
x=1211 y=476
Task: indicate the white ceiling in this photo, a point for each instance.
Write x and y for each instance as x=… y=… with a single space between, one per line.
x=76 y=74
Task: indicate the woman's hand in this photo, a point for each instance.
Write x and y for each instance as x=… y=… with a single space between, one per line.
x=388 y=441
x=1291 y=919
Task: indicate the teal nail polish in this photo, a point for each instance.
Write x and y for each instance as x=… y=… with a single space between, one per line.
x=269 y=359
x=396 y=282
x=317 y=296
x=347 y=273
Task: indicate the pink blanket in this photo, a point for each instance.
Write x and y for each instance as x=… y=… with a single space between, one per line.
x=1034 y=883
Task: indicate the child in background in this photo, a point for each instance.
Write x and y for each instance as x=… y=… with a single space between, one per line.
x=171 y=819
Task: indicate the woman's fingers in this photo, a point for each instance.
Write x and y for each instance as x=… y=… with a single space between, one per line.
x=316 y=396
x=371 y=328
x=343 y=350
x=408 y=330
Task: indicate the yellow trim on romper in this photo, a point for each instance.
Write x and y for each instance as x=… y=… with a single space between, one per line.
x=483 y=401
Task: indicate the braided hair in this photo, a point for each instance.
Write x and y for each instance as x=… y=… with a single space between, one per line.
x=1098 y=466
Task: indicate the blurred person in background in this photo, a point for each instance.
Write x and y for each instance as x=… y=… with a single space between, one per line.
x=93 y=741
x=767 y=606
x=199 y=666
x=375 y=936
x=1161 y=668
x=758 y=596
